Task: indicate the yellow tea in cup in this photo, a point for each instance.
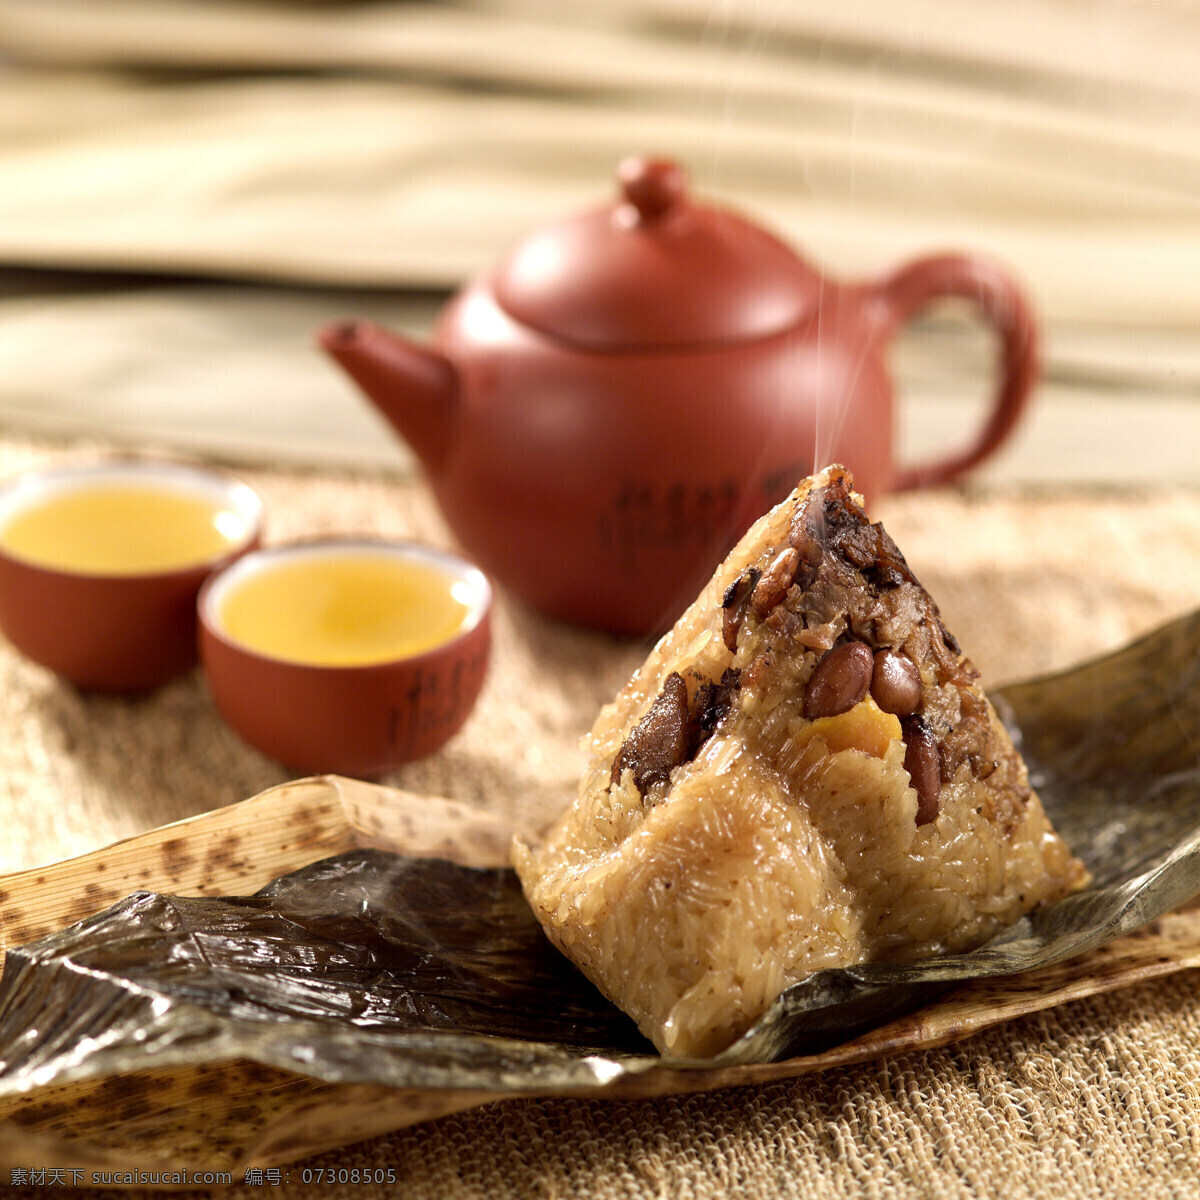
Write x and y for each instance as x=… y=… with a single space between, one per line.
x=343 y=606
x=346 y=655
x=101 y=565
x=136 y=520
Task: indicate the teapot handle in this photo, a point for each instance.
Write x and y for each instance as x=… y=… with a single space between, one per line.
x=916 y=285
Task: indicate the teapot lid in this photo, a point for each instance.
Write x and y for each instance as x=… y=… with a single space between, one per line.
x=655 y=270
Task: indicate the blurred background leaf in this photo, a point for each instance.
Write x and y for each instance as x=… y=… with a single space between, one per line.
x=330 y=159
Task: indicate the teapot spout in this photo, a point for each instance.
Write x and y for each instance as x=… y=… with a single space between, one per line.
x=413 y=386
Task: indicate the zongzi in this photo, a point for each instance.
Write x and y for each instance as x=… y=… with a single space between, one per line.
x=805 y=773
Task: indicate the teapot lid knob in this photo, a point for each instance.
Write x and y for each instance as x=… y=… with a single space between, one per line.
x=652 y=185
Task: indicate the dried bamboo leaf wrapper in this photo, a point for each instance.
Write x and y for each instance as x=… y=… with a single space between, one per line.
x=103 y=1078
x=1137 y=878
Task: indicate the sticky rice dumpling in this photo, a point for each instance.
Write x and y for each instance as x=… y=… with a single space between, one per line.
x=805 y=773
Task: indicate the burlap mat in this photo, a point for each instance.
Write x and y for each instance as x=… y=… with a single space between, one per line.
x=1099 y=1097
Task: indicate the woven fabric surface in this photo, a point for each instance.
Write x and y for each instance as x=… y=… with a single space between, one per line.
x=1098 y=1097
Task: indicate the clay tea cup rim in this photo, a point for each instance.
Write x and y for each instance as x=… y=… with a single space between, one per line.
x=35 y=486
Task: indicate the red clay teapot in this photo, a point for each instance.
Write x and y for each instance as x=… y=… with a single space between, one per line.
x=602 y=414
